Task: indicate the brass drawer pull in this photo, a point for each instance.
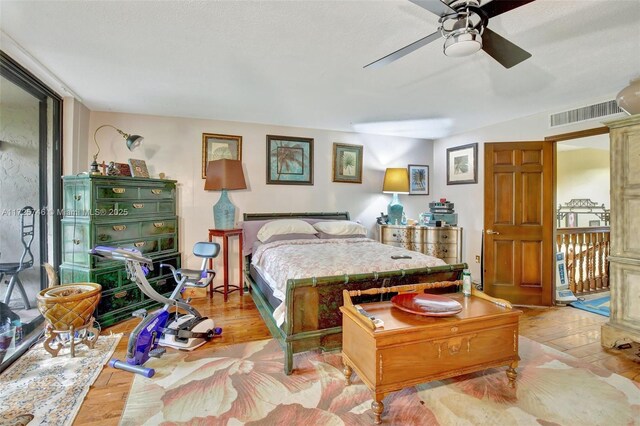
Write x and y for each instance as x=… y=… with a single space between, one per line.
x=140 y=243
x=445 y=236
x=158 y=224
x=157 y=191
x=120 y=294
x=119 y=227
x=118 y=190
x=138 y=205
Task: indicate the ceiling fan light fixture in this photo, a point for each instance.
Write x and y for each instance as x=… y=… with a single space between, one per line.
x=463 y=44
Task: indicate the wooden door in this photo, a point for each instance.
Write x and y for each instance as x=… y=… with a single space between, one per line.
x=518 y=222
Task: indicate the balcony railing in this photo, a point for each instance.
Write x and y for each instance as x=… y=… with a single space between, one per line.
x=586 y=253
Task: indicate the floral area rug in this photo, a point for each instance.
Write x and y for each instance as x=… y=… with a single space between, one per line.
x=51 y=389
x=245 y=384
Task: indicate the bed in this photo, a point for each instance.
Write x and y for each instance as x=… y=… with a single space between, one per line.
x=309 y=315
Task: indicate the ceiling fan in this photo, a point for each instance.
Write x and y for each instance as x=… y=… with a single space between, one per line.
x=463 y=25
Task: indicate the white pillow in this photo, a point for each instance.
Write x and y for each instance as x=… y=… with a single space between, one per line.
x=284 y=226
x=340 y=227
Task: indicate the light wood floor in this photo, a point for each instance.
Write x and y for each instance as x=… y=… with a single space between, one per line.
x=566 y=329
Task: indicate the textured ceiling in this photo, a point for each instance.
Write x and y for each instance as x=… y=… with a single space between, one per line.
x=299 y=63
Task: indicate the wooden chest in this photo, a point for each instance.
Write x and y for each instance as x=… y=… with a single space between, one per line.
x=413 y=349
x=119 y=211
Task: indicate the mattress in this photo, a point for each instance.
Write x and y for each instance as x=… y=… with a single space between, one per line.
x=277 y=262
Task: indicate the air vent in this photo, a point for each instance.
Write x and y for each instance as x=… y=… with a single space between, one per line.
x=585 y=113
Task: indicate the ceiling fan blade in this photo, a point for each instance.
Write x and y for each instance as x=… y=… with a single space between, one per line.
x=434 y=6
x=404 y=51
x=502 y=50
x=497 y=7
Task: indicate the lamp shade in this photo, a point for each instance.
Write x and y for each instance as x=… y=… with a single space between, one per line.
x=134 y=141
x=224 y=174
x=396 y=180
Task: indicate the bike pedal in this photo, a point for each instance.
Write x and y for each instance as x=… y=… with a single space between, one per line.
x=157 y=352
x=140 y=313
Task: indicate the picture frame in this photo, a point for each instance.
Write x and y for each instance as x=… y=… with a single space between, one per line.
x=217 y=147
x=462 y=164
x=289 y=160
x=418 y=179
x=594 y=223
x=347 y=163
x=138 y=168
x=124 y=169
x=571 y=220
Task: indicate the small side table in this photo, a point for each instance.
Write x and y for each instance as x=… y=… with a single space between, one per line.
x=226 y=287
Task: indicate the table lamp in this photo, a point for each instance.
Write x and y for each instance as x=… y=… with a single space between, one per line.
x=396 y=181
x=224 y=175
x=133 y=141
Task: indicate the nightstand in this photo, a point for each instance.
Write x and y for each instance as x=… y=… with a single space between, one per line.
x=226 y=287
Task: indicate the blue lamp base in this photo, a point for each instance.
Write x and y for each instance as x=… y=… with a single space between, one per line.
x=394 y=210
x=224 y=213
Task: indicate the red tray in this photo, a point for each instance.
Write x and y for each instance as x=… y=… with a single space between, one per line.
x=407 y=302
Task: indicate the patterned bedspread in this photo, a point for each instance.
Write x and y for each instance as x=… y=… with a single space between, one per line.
x=282 y=260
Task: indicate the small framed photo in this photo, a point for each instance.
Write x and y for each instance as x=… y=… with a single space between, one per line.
x=289 y=160
x=123 y=169
x=571 y=220
x=462 y=164
x=347 y=163
x=418 y=179
x=138 y=168
x=218 y=147
x=594 y=223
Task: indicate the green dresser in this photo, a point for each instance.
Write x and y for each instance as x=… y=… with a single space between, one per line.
x=125 y=212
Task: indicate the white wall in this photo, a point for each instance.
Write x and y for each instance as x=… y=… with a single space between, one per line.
x=174 y=146
x=75 y=134
x=469 y=199
x=583 y=173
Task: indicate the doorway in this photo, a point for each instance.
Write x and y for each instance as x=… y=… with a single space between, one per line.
x=582 y=187
x=30 y=191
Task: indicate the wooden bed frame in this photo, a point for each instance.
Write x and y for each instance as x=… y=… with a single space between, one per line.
x=313 y=319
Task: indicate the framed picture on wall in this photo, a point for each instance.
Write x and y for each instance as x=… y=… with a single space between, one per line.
x=347 y=163
x=219 y=147
x=418 y=179
x=462 y=164
x=289 y=160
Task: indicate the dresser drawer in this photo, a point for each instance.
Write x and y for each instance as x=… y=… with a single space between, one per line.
x=162 y=192
x=437 y=250
x=438 y=235
x=116 y=191
x=394 y=235
x=117 y=232
x=118 y=298
x=136 y=208
x=158 y=227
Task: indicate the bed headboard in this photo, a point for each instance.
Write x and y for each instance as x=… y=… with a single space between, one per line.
x=319 y=215
x=254 y=221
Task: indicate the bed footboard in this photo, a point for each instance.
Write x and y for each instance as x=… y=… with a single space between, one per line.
x=313 y=319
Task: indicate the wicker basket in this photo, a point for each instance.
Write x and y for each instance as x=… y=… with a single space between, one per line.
x=69 y=305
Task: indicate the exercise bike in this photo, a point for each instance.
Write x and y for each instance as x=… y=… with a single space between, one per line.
x=163 y=327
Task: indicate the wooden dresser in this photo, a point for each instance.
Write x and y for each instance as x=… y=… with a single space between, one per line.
x=118 y=211
x=624 y=255
x=413 y=349
x=442 y=242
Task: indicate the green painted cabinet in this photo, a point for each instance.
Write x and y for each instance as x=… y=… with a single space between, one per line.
x=118 y=211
